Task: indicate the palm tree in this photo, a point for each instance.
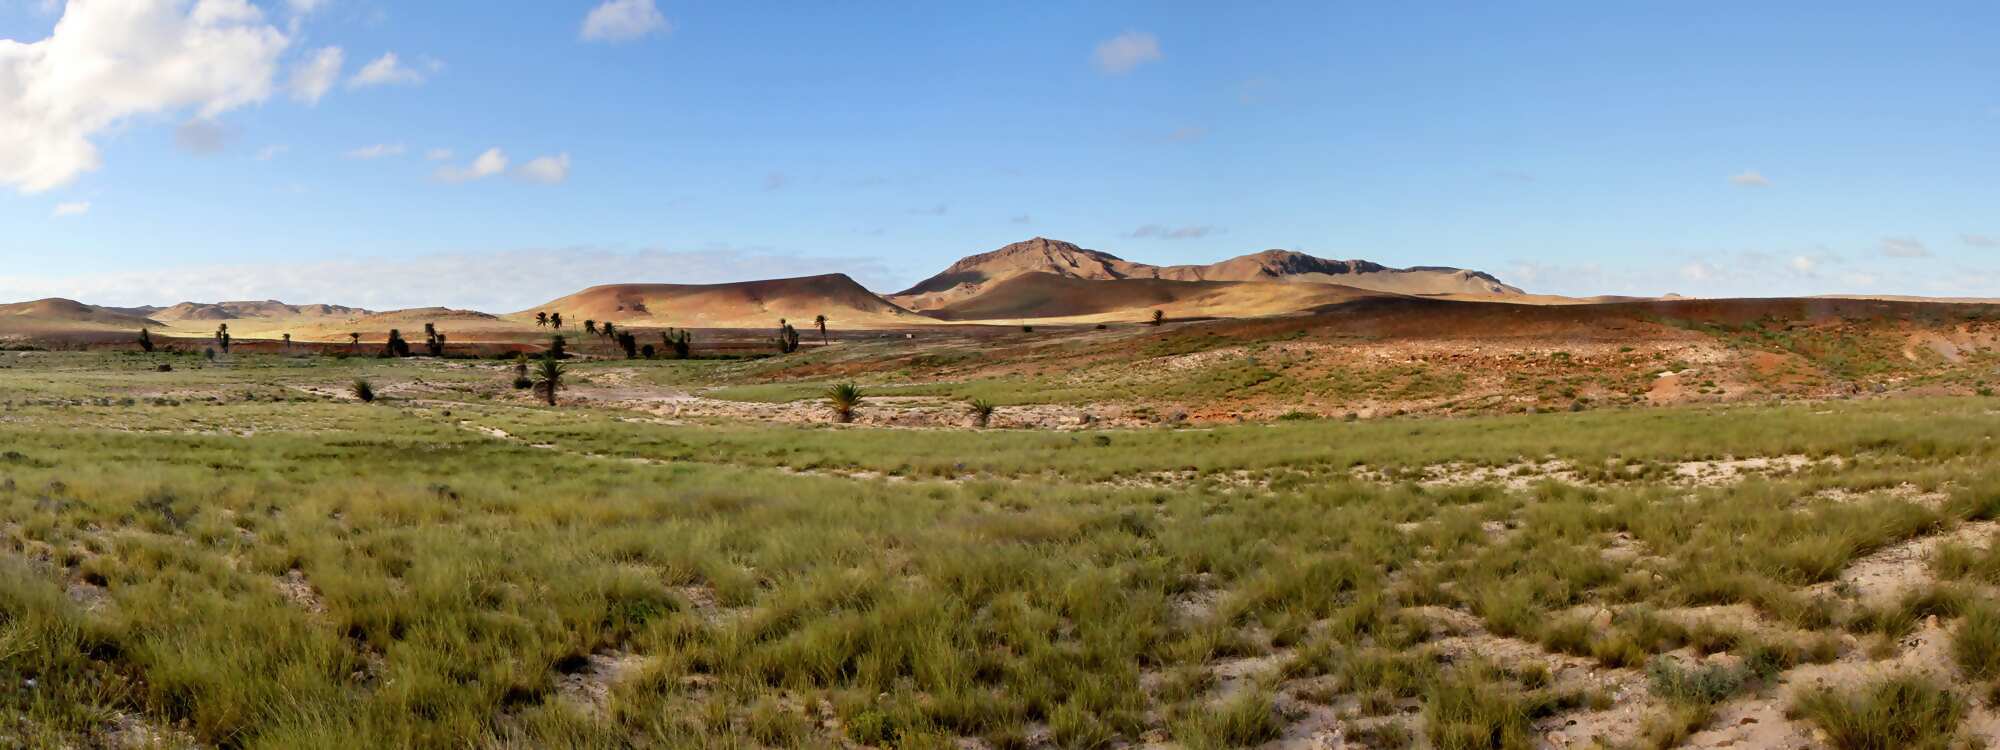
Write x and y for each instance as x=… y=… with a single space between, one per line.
x=820 y=320
x=1159 y=317
x=288 y=341
x=610 y=331
x=145 y=340
x=548 y=378
x=556 y=344
x=222 y=337
x=555 y=320
x=541 y=319
x=982 y=411
x=521 y=380
x=353 y=340
x=590 y=326
x=843 y=399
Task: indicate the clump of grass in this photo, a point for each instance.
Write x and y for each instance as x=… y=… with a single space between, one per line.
x=843 y=399
x=1975 y=644
x=1701 y=685
x=362 y=389
x=1246 y=720
x=1892 y=714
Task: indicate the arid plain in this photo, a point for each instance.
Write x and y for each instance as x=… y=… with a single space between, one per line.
x=1048 y=497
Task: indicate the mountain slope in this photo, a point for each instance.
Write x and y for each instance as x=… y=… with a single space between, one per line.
x=747 y=304
x=982 y=274
x=1047 y=296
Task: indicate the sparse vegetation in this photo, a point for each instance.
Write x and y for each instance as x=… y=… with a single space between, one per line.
x=1890 y=714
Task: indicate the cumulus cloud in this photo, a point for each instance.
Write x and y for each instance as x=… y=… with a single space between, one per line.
x=1120 y=54
x=1904 y=247
x=548 y=170
x=492 y=162
x=77 y=208
x=315 y=76
x=623 y=21
x=1162 y=232
x=106 y=63
x=1979 y=240
x=376 y=151
x=437 y=154
x=1749 y=178
x=387 y=70
x=493 y=281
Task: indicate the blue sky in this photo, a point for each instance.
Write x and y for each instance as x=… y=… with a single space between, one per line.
x=1576 y=148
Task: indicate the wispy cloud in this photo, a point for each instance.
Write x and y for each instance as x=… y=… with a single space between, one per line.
x=1904 y=247
x=272 y=151
x=1979 y=240
x=493 y=161
x=1749 y=178
x=437 y=154
x=547 y=170
x=1022 y=219
x=387 y=70
x=315 y=76
x=201 y=136
x=623 y=21
x=937 y=210
x=376 y=151
x=75 y=208
x=1162 y=232
x=1120 y=54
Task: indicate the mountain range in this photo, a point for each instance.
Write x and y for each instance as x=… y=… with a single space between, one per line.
x=1036 y=280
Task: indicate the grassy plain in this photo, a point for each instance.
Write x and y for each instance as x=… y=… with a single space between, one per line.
x=237 y=554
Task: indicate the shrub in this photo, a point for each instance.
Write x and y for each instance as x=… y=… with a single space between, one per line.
x=363 y=390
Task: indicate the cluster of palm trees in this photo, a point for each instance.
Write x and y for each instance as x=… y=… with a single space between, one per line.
x=550 y=320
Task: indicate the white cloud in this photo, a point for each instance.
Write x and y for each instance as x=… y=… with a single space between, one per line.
x=1697 y=271
x=1156 y=231
x=548 y=170
x=492 y=162
x=1749 y=178
x=622 y=21
x=386 y=70
x=315 y=76
x=1120 y=54
x=77 y=208
x=1803 y=264
x=273 y=151
x=376 y=151
x=437 y=154
x=305 y=7
x=1904 y=247
x=1979 y=240
x=106 y=63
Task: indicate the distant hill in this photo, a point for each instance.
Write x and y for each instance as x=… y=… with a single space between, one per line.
x=746 y=304
x=57 y=314
x=979 y=275
x=249 y=309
